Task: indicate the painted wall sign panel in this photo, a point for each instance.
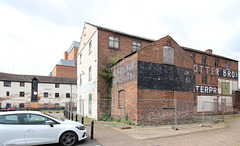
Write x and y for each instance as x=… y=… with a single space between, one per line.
x=165 y=77
x=206 y=89
x=221 y=72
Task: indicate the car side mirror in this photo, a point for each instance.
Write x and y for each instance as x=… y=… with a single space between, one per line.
x=49 y=123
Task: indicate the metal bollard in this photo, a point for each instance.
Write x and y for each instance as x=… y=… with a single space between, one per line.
x=76 y=118
x=82 y=120
x=68 y=115
x=92 y=128
x=72 y=117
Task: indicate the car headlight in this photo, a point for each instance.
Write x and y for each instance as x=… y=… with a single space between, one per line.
x=81 y=127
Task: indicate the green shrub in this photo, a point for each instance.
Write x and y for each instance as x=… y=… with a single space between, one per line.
x=128 y=122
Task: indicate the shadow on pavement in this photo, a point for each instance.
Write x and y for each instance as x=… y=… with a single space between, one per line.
x=86 y=142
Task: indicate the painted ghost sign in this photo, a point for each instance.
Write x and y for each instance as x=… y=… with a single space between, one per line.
x=165 y=77
x=206 y=89
x=221 y=72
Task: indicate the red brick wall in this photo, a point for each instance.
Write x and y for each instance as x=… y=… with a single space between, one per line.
x=125 y=79
x=104 y=52
x=64 y=71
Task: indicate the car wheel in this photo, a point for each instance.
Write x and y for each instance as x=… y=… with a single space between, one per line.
x=68 y=138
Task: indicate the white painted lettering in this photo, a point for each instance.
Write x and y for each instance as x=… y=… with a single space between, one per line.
x=210 y=89
x=206 y=89
x=202 y=89
x=197 y=88
x=201 y=68
x=195 y=68
x=212 y=71
x=217 y=71
x=229 y=74
x=207 y=69
x=214 y=90
x=233 y=74
x=224 y=72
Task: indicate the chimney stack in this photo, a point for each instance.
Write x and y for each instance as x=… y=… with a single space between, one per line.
x=65 y=55
x=209 y=51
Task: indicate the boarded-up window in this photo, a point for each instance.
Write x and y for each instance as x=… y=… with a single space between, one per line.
x=168 y=55
x=121 y=99
x=225 y=88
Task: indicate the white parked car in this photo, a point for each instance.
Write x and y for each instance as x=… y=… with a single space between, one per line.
x=34 y=128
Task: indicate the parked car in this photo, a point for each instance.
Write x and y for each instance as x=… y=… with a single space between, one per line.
x=35 y=128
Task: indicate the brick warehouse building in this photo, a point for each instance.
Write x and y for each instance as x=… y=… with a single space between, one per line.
x=67 y=67
x=165 y=70
x=159 y=70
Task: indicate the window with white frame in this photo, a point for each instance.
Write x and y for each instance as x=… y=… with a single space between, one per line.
x=7 y=84
x=90 y=73
x=80 y=58
x=90 y=47
x=21 y=94
x=22 y=84
x=114 y=42
x=80 y=80
x=136 y=46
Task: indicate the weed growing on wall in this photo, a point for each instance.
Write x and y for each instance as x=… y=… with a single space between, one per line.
x=107 y=72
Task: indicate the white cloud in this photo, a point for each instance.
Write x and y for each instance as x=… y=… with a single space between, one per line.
x=32 y=43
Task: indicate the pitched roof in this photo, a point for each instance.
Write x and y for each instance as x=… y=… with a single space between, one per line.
x=202 y=52
x=41 y=79
x=119 y=32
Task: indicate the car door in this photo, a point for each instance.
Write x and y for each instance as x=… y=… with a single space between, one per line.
x=11 y=131
x=36 y=130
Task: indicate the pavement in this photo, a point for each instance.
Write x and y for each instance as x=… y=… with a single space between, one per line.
x=142 y=133
x=105 y=135
x=111 y=134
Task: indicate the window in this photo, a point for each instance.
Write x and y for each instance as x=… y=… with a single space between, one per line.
x=193 y=57
x=21 y=105
x=90 y=47
x=121 y=99
x=56 y=95
x=80 y=80
x=204 y=59
x=45 y=94
x=67 y=95
x=56 y=104
x=113 y=42
x=168 y=55
x=45 y=105
x=204 y=79
x=22 y=84
x=227 y=65
x=7 y=93
x=57 y=85
x=90 y=73
x=21 y=94
x=7 y=84
x=8 y=105
x=225 y=88
x=33 y=119
x=90 y=103
x=80 y=58
x=216 y=62
x=9 y=119
x=136 y=46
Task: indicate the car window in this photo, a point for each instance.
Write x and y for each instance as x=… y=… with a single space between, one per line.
x=33 y=119
x=9 y=119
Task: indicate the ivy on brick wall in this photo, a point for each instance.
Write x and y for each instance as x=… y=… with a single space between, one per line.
x=107 y=72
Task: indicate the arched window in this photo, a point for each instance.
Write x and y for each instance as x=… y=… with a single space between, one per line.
x=21 y=105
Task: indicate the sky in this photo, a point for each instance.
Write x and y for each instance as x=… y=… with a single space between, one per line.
x=35 y=33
